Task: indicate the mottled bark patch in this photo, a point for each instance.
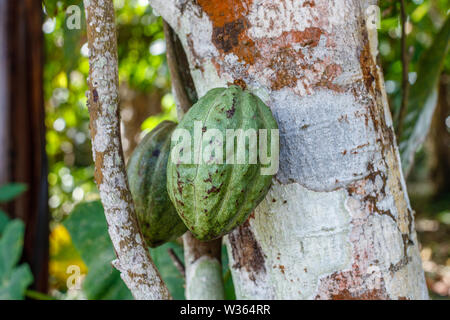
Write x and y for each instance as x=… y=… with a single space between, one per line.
x=387 y=169
x=367 y=66
x=352 y=285
x=283 y=55
x=246 y=251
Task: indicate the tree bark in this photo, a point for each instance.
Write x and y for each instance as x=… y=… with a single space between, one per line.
x=337 y=223
x=133 y=259
x=202 y=259
x=203 y=269
x=22 y=127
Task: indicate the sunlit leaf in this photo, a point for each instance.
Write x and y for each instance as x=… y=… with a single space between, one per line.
x=420 y=11
x=62 y=255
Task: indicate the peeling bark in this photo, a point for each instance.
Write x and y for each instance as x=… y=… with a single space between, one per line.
x=133 y=259
x=337 y=223
x=202 y=259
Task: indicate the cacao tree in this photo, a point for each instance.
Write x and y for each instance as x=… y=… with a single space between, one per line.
x=336 y=223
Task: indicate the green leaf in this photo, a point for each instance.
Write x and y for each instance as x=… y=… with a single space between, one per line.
x=420 y=11
x=14 y=286
x=227 y=280
x=53 y=6
x=13 y=281
x=3 y=221
x=169 y=273
x=88 y=228
x=89 y=232
x=423 y=97
x=11 y=190
x=11 y=244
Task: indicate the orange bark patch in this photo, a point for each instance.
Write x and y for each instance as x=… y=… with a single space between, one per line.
x=222 y=12
x=350 y=285
x=373 y=294
x=367 y=66
x=281 y=55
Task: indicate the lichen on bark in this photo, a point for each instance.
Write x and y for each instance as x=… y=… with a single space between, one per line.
x=133 y=259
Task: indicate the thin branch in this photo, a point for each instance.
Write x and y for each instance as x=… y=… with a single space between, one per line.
x=133 y=259
x=405 y=72
x=182 y=83
x=177 y=262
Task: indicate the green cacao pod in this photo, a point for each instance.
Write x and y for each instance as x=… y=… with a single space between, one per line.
x=146 y=171
x=214 y=197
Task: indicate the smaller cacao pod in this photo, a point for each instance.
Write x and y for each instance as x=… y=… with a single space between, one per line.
x=146 y=169
x=214 y=197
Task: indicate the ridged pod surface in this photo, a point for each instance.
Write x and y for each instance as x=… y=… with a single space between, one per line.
x=146 y=170
x=214 y=198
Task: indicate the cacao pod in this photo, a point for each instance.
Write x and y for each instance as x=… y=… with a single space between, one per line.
x=212 y=198
x=146 y=171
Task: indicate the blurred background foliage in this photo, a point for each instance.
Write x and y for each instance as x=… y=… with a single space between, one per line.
x=14 y=279
x=146 y=100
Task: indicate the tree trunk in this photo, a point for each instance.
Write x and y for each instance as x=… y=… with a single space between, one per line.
x=22 y=130
x=133 y=258
x=337 y=222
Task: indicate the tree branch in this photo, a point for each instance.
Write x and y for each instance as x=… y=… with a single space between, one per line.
x=177 y=262
x=182 y=83
x=133 y=259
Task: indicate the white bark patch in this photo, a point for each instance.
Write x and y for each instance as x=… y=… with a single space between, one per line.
x=269 y=19
x=299 y=243
x=204 y=280
x=325 y=147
